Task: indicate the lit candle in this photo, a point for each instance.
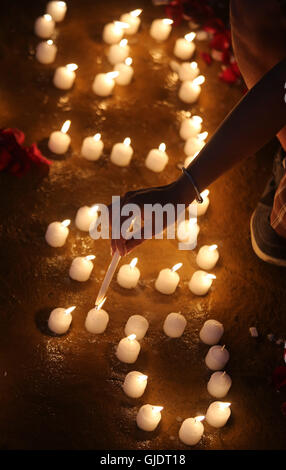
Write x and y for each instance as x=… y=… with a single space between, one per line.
x=195 y=144
x=118 y=52
x=191 y=127
x=191 y=430
x=57 y=233
x=134 y=384
x=184 y=47
x=211 y=332
x=188 y=71
x=190 y=91
x=128 y=349
x=187 y=162
x=136 y=325
x=168 y=280
x=128 y=275
x=188 y=231
x=44 y=26
x=97 y=319
x=85 y=216
x=174 y=325
x=103 y=83
x=113 y=32
x=60 y=320
x=219 y=384
x=122 y=152
x=64 y=77
x=149 y=417
x=59 y=141
x=125 y=72
x=92 y=147
x=133 y=20
x=201 y=282
x=218 y=413
x=207 y=257
x=57 y=10
x=46 y=52
x=197 y=209
x=81 y=268
x=157 y=159
x=217 y=357
x=160 y=29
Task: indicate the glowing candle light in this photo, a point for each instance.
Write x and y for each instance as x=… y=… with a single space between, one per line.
x=85 y=216
x=128 y=349
x=201 y=282
x=174 y=325
x=113 y=32
x=44 y=26
x=157 y=159
x=104 y=83
x=191 y=127
x=64 y=77
x=92 y=147
x=60 y=320
x=149 y=417
x=188 y=231
x=218 y=414
x=160 y=29
x=128 y=275
x=217 y=357
x=97 y=319
x=135 y=384
x=57 y=10
x=195 y=144
x=59 y=141
x=122 y=153
x=219 y=384
x=57 y=233
x=191 y=430
x=190 y=91
x=184 y=47
x=197 y=209
x=125 y=72
x=133 y=20
x=81 y=268
x=207 y=257
x=187 y=162
x=168 y=279
x=211 y=332
x=188 y=71
x=118 y=52
x=137 y=325
x=46 y=52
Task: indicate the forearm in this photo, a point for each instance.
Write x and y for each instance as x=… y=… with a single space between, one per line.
x=256 y=119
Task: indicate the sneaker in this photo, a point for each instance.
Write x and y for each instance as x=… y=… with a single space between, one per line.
x=266 y=243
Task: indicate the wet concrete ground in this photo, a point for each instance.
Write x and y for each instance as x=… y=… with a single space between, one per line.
x=66 y=392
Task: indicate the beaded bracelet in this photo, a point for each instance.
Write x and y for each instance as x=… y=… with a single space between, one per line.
x=199 y=198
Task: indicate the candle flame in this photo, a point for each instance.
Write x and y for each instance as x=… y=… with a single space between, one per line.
x=142 y=378
x=193 y=221
x=127 y=141
x=50 y=42
x=136 y=12
x=98 y=307
x=199 y=418
x=121 y=24
x=224 y=405
x=199 y=80
x=97 y=137
x=69 y=310
x=112 y=75
x=167 y=21
x=128 y=61
x=48 y=17
x=205 y=193
x=197 y=119
x=90 y=257
x=123 y=42
x=203 y=135
x=71 y=67
x=162 y=147
x=190 y=36
x=131 y=337
x=210 y=276
x=133 y=262
x=61 y=4
x=176 y=267
x=157 y=409
x=94 y=209
x=65 y=126
x=194 y=65
x=65 y=223
x=212 y=247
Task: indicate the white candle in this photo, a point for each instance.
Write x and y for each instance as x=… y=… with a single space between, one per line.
x=207 y=257
x=168 y=280
x=133 y=20
x=217 y=357
x=184 y=47
x=125 y=72
x=211 y=332
x=149 y=417
x=157 y=159
x=128 y=349
x=97 y=319
x=92 y=147
x=188 y=71
x=174 y=325
x=191 y=127
x=194 y=144
x=128 y=275
x=81 y=268
x=190 y=91
x=113 y=32
x=103 y=83
x=57 y=10
x=218 y=413
x=118 y=52
x=59 y=141
x=122 y=152
x=188 y=231
x=60 y=320
x=191 y=430
x=201 y=282
x=135 y=384
x=197 y=209
x=85 y=216
x=57 y=233
x=64 y=77
x=219 y=384
x=46 y=52
x=136 y=325
x=44 y=26
x=160 y=29
x=187 y=162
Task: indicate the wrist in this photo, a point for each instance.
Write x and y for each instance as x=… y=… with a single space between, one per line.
x=183 y=190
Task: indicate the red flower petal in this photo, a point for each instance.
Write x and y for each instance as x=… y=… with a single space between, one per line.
x=5 y=159
x=206 y=57
x=227 y=75
x=279 y=378
x=16 y=133
x=34 y=154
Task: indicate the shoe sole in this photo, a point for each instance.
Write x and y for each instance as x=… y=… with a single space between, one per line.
x=263 y=256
